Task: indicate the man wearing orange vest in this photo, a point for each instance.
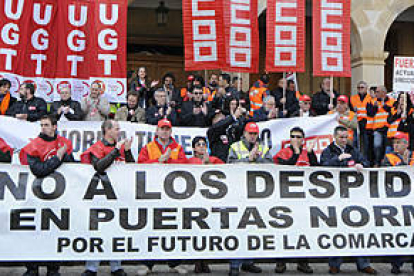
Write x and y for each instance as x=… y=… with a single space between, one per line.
x=346 y=118
x=164 y=149
x=401 y=156
x=258 y=92
x=359 y=105
x=6 y=100
x=378 y=110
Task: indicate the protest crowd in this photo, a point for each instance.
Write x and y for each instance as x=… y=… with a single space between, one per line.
x=373 y=130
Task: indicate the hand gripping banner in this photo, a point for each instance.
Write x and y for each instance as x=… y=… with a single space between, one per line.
x=286 y=28
x=203 y=34
x=241 y=32
x=331 y=38
x=75 y=42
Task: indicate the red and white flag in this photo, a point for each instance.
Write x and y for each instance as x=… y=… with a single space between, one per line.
x=203 y=34
x=331 y=38
x=241 y=32
x=285 y=46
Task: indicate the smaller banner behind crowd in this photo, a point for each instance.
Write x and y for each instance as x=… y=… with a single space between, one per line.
x=332 y=38
x=403 y=74
x=275 y=133
x=285 y=36
x=204 y=212
x=65 y=42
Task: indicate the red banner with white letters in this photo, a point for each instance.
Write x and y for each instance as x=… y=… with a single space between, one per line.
x=285 y=45
x=64 y=42
x=241 y=32
x=203 y=34
x=331 y=38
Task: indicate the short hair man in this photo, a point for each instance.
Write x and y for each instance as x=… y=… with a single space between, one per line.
x=29 y=107
x=44 y=155
x=94 y=106
x=102 y=155
x=67 y=109
x=6 y=100
x=341 y=154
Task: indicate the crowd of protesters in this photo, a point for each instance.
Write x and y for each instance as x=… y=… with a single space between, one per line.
x=374 y=130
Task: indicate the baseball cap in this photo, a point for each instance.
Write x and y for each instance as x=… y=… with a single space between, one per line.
x=190 y=78
x=164 y=123
x=401 y=135
x=305 y=98
x=343 y=98
x=252 y=127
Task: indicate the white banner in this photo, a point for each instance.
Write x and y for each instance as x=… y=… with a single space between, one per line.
x=275 y=133
x=403 y=74
x=204 y=212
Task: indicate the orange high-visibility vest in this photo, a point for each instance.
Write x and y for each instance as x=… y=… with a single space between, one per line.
x=154 y=151
x=350 y=117
x=395 y=160
x=393 y=128
x=380 y=119
x=360 y=106
x=298 y=95
x=256 y=95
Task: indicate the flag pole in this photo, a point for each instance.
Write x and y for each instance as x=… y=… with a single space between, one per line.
x=331 y=91
x=284 y=88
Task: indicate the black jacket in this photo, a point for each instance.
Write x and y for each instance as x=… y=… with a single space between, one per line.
x=100 y=165
x=74 y=105
x=35 y=108
x=152 y=115
x=292 y=103
x=330 y=157
x=320 y=102
x=222 y=134
x=43 y=169
x=260 y=115
x=188 y=118
x=5 y=157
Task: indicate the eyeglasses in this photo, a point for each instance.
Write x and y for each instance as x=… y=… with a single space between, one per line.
x=306 y=103
x=361 y=87
x=198 y=93
x=296 y=136
x=201 y=144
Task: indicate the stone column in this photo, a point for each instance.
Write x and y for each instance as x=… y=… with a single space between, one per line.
x=369 y=66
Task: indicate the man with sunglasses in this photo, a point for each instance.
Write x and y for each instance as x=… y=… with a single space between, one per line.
x=340 y=154
x=248 y=150
x=359 y=106
x=297 y=154
x=195 y=111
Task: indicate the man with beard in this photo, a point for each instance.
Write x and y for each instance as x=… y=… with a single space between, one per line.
x=44 y=155
x=102 y=155
x=28 y=108
x=132 y=112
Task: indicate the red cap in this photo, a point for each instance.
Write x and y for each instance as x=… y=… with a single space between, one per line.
x=164 y=123
x=190 y=78
x=305 y=98
x=252 y=127
x=343 y=98
x=401 y=135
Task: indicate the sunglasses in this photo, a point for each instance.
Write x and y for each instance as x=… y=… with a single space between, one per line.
x=296 y=136
x=198 y=93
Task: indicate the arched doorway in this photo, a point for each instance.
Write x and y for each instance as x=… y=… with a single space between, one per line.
x=399 y=42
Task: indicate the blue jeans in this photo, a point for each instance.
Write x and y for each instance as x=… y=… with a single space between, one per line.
x=93 y=265
x=379 y=147
x=238 y=262
x=361 y=262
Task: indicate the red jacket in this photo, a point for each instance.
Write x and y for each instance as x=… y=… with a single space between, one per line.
x=198 y=161
x=4 y=147
x=144 y=155
x=99 y=150
x=304 y=159
x=44 y=150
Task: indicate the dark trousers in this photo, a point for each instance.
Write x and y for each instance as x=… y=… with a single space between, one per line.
x=51 y=266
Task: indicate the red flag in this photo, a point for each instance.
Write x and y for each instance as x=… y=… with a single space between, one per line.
x=331 y=38
x=203 y=34
x=285 y=36
x=241 y=31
